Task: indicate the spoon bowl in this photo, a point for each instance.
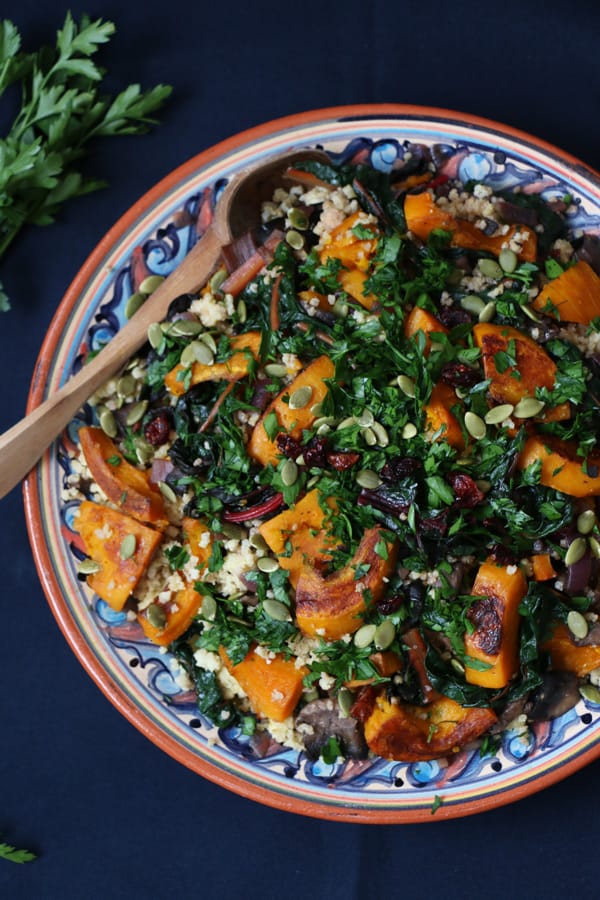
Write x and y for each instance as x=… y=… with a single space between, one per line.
x=238 y=210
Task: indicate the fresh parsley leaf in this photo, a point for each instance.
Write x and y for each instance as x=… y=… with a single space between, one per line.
x=177 y=556
x=13 y=854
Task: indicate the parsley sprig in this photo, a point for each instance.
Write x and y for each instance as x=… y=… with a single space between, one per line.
x=61 y=111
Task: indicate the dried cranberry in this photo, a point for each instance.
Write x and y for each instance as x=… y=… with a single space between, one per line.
x=288 y=445
x=157 y=430
x=451 y=316
x=437 y=524
x=342 y=460
x=398 y=468
x=459 y=375
x=502 y=555
x=316 y=453
x=389 y=604
x=465 y=490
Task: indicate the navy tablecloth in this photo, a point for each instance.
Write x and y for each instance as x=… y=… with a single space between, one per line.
x=108 y=812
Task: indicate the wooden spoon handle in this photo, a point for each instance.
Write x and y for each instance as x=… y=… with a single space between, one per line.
x=23 y=444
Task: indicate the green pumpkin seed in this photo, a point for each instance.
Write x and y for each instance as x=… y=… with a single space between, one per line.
x=324 y=420
x=258 y=542
x=472 y=303
x=594 y=546
x=508 y=260
x=300 y=461
x=128 y=545
x=457 y=666
x=575 y=551
x=108 y=423
x=197 y=352
x=267 y=564
x=276 y=610
x=366 y=418
x=233 y=531
x=156 y=336
x=167 y=491
x=577 y=624
x=498 y=414
x=488 y=312
x=409 y=431
x=317 y=408
x=484 y=485
x=323 y=428
x=298 y=219
x=217 y=280
x=347 y=423
x=242 y=311
x=384 y=635
x=208 y=610
x=88 y=567
x=295 y=239
x=586 y=521
x=289 y=472
x=133 y=304
x=300 y=397
x=340 y=309
x=156 y=616
x=528 y=407
x=186 y=328
x=475 y=425
x=137 y=412
x=345 y=699
x=276 y=370
x=406 y=385
x=150 y=283
x=590 y=693
x=368 y=479
x=143 y=450
x=529 y=313
x=364 y=636
x=490 y=268
x=209 y=340
x=369 y=437
x=381 y=434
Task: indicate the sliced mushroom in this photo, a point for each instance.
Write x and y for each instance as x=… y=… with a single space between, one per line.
x=558 y=693
x=321 y=720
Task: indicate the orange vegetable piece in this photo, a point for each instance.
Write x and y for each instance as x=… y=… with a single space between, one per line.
x=561 y=468
x=273 y=686
x=572 y=297
x=534 y=368
x=423 y=215
x=102 y=531
x=304 y=528
x=355 y=255
x=193 y=531
x=414 y=733
x=293 y=421
x=421 y=320
x=566 y=655
x=187 y=602
x=439 y=415
x=334 y=606
x=495 y=618
x=543 y=570
x=245 y=347
x=126 y=486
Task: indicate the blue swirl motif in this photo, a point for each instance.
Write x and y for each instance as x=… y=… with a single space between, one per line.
x=157 y=672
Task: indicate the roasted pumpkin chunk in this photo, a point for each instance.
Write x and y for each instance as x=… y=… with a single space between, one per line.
x=122 y=547
x=566 y=654
x=333 y=606
x=515 y=364
x=273 y=684
x=245 y=349
x=126 y=486
x=561 y=467
x=572 y=297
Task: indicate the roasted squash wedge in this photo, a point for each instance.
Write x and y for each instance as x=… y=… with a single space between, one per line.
x=572 y=297
x=423 y=215
x=561 y=467
x=261 y=446
x=567 y=655
x=179 y=613
x=124 y=485
x=400 y=731
x=299 y=536
x=245 y=349
x=440 y=422
x=421 y=320
x=525 y=364
x=273 y=685
x=333 y=606
x=103 y=531
x=355 y=254
x=495 y=619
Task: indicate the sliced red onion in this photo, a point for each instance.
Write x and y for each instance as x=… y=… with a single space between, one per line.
x=160 y=469
x=578 y=575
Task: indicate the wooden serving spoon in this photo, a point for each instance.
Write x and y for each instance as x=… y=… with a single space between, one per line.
x=237 y=210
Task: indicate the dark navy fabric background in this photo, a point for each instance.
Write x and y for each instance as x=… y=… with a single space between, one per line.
x=111 y=815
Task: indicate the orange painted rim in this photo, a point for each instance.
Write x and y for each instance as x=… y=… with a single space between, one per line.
x=344 y=810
